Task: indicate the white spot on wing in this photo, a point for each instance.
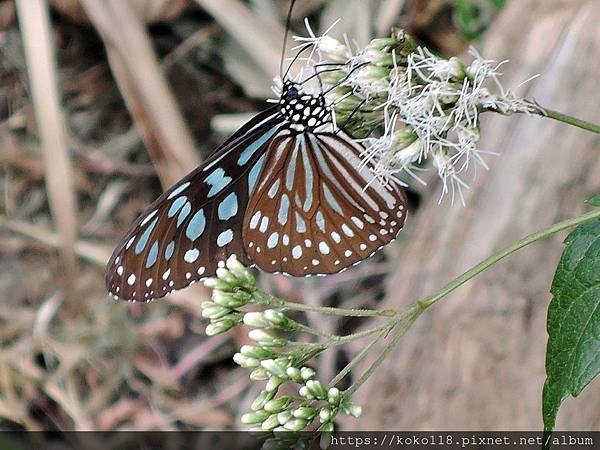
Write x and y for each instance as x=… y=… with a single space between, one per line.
x=254 y=220
x=133 y=239
x=297 y=252
x=324 y=248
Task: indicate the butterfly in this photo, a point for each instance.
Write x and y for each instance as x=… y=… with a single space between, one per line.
x=288 y=193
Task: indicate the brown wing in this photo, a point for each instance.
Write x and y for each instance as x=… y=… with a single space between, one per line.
x=318 y=208
x=182 y=236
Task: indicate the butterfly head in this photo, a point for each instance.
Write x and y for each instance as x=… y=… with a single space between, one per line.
x=301 y=110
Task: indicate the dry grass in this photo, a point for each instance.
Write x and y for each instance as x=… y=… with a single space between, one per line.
x=39 y=52
x=90 y=119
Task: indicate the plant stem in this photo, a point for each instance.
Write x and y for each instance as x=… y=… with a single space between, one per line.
x=364 y=352
x=383 y=355
x=266 y=299
x=339 y=340
x=570 y=120
x=419 y=307
x=301 y=327
x=475 y=270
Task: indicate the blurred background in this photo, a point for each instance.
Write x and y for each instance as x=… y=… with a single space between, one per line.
x=103 y=103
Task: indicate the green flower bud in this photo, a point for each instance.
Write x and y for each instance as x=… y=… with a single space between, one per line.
x=295 y=424
x=325 y=414
x=378 y=57
x=255 y=417
x=284 y=416
x=276 y=366
x=261 y=400
x=458 y=68
x=270 y=423
x=256 y=319
x=245 y=361
x=273 y=383
x=220 y=326
x=231 y=300
x=213 y=311
x=317 y=389
x=328 y=427
x=259 y=374
x=215 y=283
x=304 y=392
x=383 y=43
x=373 y=74
x=304 y=412
x=334 y=396
x=351 y=409
x=404 y=137
x=278 y=404
x=265 y=339
x=334 y=77
x=257 y=352
x=293 y=373
x=241 y=272
x=276 y=317
x=307 y=373
x=227 y=277
x=348 y=105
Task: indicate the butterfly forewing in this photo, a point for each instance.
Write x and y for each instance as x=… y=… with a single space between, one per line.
x=318 y=209
x=184 y=234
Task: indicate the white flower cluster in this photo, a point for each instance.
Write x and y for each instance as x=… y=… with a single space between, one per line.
x=429 y=106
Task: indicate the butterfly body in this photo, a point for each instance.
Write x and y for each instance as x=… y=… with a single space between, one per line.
x=303 y=112
x=286 y=193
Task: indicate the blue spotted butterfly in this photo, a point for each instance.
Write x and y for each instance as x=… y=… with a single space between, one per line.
x=285 y=193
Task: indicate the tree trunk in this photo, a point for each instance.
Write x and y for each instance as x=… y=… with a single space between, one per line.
x=476 y=360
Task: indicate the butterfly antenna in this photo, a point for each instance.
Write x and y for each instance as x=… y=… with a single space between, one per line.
x=288 y=22
x=302 y=50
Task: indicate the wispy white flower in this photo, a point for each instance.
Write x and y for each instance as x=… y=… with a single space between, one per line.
x=426 y=107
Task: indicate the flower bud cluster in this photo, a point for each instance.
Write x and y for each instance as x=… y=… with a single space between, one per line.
x=286 y=413
x=232 y=289
x=269 y=358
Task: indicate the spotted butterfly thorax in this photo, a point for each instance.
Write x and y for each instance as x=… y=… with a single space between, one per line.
x=287 y=193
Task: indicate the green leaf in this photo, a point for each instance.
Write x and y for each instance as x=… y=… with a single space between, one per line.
x=573 y=351
x=594 y=201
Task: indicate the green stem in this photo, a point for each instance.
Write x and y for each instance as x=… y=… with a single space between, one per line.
x=384 y=354
x=419 y=307
x=457 y=282
x=570 y=120
x=301 y=327
x=335 y=340
x=364 y=352
x=340 y=340
x=266 y=299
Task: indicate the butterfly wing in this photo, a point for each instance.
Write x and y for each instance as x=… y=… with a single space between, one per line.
x=184 y=234
x=318 y=208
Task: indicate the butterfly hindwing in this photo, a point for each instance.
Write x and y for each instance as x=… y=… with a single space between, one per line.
x=184 y=234
x=318 y=208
